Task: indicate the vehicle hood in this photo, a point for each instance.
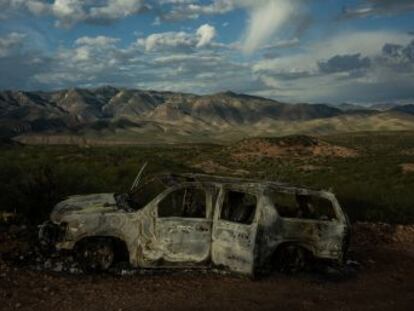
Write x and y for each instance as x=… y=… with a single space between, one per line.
x=91 y=204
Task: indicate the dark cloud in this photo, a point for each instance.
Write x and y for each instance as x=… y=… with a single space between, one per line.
x=287 y=76
x=344 y=63
x=399 y=53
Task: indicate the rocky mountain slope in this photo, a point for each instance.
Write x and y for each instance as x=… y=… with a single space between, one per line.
x=129 y=113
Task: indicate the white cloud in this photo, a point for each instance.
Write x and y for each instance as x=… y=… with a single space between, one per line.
x=70 y=12
x=82 y=54
x=202 y=37
x=67 y=12
x=191 y=9
x=266 y=18
x=37 y=7
x=9 y=6
x=283 y=44
x=166 y=40
x=205 y=34
x=93 y=61
x=97 y=41
x=116 y=9
x=193 y=61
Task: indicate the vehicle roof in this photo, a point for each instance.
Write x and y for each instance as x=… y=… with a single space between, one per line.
x=173 y=179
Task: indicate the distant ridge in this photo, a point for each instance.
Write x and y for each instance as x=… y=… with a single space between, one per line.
x=113 y=112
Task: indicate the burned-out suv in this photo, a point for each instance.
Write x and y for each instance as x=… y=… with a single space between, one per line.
x=194 y=220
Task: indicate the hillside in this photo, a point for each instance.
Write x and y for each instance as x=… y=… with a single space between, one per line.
x=288 y=146
x=118 y=115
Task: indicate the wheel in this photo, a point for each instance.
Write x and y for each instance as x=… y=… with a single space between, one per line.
x=290 y=259
x=95 y=255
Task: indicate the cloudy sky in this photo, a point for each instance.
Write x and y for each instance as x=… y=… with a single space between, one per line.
x=291 y=50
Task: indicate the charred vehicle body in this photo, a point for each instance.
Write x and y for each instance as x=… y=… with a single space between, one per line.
x=195 y=220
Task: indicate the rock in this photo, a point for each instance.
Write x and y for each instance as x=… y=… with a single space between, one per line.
x=58 y=267
x=352 y=263
x=48 y=264
x=74 y=270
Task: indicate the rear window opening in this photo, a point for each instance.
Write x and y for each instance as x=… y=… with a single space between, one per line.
x=303 y=206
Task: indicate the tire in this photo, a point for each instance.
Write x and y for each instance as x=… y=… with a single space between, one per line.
x=95 y=255
x=291 y=259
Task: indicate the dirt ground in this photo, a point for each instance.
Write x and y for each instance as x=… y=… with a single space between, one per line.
x=380 y=277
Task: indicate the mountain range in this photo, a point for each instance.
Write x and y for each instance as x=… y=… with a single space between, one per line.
x=118 y=115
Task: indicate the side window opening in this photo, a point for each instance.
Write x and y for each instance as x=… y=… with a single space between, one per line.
x=238 y=207
x=185 y=202
x=303 y=206
x=322 y=208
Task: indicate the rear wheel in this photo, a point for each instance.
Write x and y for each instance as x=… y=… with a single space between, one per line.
x=95 y=255
x=290 y=259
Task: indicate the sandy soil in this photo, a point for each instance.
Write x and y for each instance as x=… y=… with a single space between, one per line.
x=383 y=280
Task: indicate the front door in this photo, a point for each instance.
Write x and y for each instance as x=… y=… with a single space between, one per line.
x=183 y=226
x=234 y=230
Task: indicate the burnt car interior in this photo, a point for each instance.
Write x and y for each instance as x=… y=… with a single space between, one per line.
x=147 y=191
x=238 y=207
x=188 y=202
x=303 y=206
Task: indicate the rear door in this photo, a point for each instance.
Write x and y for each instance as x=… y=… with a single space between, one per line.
x=234 y=230
x=313 y=219
x=184 y=225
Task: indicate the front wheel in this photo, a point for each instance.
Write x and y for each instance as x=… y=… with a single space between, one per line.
x=290 y=259
x=95 y=255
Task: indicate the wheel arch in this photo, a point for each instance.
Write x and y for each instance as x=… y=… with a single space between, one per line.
x=307 y=247
x=120 y=246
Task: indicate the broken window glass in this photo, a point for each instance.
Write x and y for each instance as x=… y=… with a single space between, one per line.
x=185 y=202
x=239 y=207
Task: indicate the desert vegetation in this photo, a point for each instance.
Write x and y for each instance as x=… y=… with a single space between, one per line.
x=369 y=179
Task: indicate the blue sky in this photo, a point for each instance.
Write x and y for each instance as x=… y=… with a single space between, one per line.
x=293 y=50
